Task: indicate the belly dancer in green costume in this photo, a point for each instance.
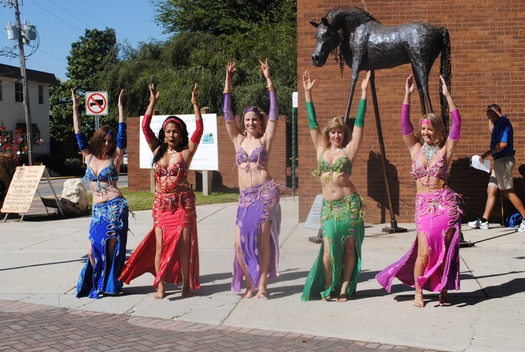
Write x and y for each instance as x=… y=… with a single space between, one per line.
x=338 y=264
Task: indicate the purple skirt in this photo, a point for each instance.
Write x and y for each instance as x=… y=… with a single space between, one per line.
x=436 y=213
x=257 y=205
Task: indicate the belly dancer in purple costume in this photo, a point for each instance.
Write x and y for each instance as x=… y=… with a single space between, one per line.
x=256 y=255
x=432 y=262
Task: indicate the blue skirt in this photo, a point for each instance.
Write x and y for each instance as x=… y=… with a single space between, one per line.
x=109 y=221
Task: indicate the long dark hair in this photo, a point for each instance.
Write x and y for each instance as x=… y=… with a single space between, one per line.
x=97 y=141
x=184 y=139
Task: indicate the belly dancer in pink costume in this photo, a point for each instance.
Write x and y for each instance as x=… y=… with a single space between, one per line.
x=432 y=262
x=256 y=255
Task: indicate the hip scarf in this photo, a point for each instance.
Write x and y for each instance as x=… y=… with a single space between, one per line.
x=172 y=212
x=340 y=220
x=257 y=205
x=436 y=213
x=109 y=220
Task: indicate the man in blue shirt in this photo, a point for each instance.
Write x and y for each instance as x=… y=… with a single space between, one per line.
x=502 y=151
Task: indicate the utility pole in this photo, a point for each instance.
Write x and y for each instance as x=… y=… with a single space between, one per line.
x=25 y=88
x=22 y=38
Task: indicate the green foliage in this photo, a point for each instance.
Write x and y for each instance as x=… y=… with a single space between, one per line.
x=219 y=17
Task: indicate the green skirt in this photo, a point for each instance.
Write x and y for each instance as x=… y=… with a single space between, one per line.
x=340 y=220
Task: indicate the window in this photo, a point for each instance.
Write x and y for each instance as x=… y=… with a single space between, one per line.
x=40 y=94
x=19 y=95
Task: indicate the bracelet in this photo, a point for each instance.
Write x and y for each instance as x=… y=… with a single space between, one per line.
x=271 y=87
x=227 y=91
x=195 y=102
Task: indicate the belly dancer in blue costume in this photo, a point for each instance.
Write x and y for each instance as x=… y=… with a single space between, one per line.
x=108 y=230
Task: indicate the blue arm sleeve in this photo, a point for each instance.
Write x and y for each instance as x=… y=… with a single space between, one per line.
x=121 y=135
x=82 y=141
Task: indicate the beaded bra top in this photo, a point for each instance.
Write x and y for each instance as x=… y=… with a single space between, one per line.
x=341 y=165
x=176 y=173
x=108 y=175
x=259 y=156
x=436 y=169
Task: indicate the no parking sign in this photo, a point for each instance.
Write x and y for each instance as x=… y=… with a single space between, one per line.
x=96 y=103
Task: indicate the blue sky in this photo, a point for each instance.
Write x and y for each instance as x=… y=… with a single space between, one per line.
x=61 y=22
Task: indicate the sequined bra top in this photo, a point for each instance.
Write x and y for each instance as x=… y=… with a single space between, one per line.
x=259 y=156
x=108 y=175
x=436 y=169
x=341 y=165
x=176 y=173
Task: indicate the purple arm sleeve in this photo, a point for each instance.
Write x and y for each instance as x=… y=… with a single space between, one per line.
x=227 y=107
x=273 y=115
x=455 y=129
x=406 y=125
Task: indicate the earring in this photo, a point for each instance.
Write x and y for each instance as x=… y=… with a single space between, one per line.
x=165 y=140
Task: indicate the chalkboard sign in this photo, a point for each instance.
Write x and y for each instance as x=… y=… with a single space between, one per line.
x=22 y=189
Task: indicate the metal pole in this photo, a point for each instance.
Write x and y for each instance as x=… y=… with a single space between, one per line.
x=393 y=223
x=29 y=130
x=294 y=127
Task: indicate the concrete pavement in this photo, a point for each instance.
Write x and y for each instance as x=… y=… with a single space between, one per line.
x=40 y=262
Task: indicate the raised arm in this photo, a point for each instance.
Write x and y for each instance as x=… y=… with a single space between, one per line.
x=121 y=132
x=315 y=130
x=406 y=125
x=151 y=139
x=229 y=117
x=358 y=133
x=455 y=129
x=273 y=114
x=199 y=127
x=81 y=138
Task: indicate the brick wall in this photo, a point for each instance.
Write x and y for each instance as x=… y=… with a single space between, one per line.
x=142 y=179
x=488 y=65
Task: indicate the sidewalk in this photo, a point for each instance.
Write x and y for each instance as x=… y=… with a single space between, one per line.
x=40 y=262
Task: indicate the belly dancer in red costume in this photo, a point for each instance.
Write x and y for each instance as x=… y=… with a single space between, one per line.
x=170 y=250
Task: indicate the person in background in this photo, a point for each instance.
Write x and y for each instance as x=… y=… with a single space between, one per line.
x=170 y=250
x=108 y=230
x=502 y=151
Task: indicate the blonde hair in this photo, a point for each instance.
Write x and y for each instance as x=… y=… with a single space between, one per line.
x=335 y=123
x=437 y=126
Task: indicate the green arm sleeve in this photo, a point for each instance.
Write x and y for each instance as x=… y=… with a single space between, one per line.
x=312 y=120
x=361 y=111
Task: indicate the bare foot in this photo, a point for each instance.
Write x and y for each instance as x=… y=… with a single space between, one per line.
x=262 y=294
x=249 y=293
x=443 y=299
x=161 y=291
x=186 y=291
x=418 y=300
x=343 y=297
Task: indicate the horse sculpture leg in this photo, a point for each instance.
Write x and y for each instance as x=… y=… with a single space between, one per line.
x=349 y=103
x=421 y=78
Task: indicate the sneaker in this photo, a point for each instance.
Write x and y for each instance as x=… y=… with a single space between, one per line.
x=478 y=224
x=522 y=227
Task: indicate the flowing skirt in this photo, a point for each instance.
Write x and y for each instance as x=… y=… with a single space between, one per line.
x=172 y=212
x=436 y=213
x=341 y=220
x=257 y=205
x=109 y=221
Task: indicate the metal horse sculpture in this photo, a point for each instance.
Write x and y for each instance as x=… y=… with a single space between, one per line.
x=365 y=44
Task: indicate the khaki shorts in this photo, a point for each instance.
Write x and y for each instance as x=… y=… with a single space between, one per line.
x=501 y=175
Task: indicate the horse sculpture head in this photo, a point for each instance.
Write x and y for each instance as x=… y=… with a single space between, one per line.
x=327 y=39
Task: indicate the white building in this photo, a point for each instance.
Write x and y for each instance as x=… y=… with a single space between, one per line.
x=12 y=112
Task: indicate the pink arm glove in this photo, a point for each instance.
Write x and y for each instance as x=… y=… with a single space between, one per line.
x=406 y=125
x=455 y=129
x=197 y=135
x=146 y=129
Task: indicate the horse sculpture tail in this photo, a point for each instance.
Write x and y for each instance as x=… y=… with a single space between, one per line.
x=445 y=71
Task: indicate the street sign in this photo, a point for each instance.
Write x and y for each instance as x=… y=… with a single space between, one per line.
x=96 y=103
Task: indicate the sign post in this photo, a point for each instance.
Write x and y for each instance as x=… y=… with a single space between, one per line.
x=96 y=105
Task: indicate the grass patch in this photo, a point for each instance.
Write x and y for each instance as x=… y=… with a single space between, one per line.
x=143 y=200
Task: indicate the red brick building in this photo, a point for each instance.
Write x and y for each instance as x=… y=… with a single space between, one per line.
x=488 y=66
